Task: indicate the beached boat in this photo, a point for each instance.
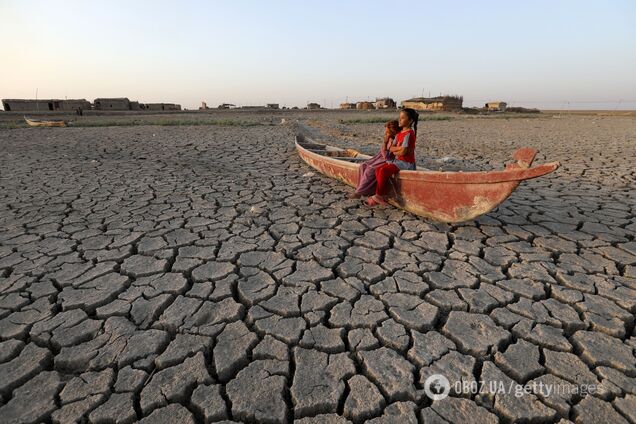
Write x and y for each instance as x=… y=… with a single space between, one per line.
x=45 y=122
x=438 y=195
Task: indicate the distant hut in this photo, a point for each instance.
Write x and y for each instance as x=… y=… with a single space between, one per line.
x=43 y=105
x=226 y=106
x=74 y=104
x=313 y=106
x=365 y=105
x=496 y=106
x=27 y=105
x=347 y=106
x=446 y=103
x=134 y=105
x=118 y=103
x=385 y=103
x=273 y=106
x=162 y=106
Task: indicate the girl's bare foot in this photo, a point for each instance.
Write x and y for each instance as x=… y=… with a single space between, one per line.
x=375 y=201
x=354 y=195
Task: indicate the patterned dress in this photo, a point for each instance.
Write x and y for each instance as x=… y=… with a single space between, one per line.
x=366 y=173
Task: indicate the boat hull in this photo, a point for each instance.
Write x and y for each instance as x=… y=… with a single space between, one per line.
x=441 y=196
x=44 y=123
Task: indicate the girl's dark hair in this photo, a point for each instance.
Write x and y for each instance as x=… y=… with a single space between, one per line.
x=413 y=116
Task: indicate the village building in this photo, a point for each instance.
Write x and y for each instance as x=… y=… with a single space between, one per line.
x=226 y=106
x=365 y=105
x=273 y=106
x=347 y=106
x=445 y=103
x=313 y=106
x=496 y=106
x=43 y=105
x=137 y=106
x=119 y=103
x=385 y=103
x=72 y=105
x=162 y=106
x=27 y=105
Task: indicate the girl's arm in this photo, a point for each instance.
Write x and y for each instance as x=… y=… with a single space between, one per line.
x=388 y=143
x=398 y=150
x=402 y=149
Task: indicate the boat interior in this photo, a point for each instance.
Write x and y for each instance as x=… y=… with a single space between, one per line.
x=348 y=155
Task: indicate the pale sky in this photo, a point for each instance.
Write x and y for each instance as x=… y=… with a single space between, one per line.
x=550 y=54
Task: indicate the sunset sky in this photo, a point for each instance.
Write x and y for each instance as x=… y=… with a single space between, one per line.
x=547 y=54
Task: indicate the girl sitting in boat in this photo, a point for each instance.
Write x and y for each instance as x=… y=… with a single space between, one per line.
x=366 y=171
x=404 y=150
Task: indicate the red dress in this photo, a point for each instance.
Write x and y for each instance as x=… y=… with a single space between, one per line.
x=404 y=162
x=406 y=139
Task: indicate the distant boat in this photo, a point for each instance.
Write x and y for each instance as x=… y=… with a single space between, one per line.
x=45 y=122
x=441 y=196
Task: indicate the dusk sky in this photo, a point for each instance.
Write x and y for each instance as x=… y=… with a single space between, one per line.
x=528 y=53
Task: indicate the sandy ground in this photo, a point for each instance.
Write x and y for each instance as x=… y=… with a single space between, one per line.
x=201 y=274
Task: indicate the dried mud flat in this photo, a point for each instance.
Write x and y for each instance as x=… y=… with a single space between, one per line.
x=201 y=274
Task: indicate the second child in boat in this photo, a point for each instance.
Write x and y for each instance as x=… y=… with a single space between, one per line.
x=366 y=173
x=404 y=150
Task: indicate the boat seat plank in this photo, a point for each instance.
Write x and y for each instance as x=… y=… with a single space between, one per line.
x=349 y=159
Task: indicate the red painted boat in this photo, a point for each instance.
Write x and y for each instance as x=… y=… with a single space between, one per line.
x=441 y=196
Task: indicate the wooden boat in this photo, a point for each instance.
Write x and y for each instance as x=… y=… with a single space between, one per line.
x=45 y=122
x=441 y=196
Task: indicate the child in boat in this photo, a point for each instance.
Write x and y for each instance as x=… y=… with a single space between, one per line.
x=404 y=150
x=366 y=172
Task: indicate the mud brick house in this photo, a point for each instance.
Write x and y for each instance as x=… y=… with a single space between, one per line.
x=365 y=105
x=496 y=106
x=385 y=103
x=445 y=103
x=119 y=103
x=162 y=106
x=43 y=105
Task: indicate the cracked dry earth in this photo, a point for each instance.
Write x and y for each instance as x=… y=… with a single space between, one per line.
x=160 y=274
